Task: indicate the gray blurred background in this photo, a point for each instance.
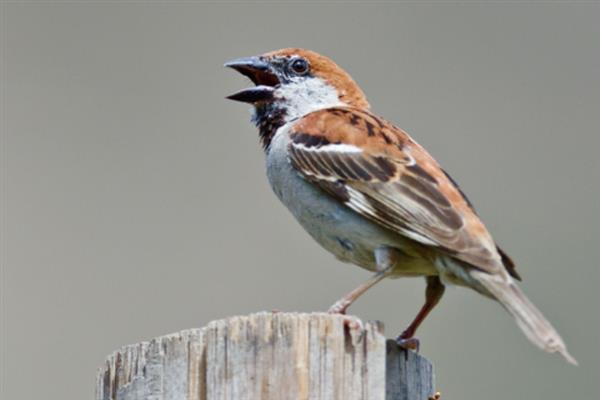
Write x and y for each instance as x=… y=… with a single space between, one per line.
x=134 y=202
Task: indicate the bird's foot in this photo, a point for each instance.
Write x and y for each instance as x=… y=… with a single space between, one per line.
x=353 y=323
x=339 y=307
x=436 y=396
x=411 y=343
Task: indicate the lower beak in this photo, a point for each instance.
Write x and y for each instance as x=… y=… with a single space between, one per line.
x=260 y=73
x=253 y=95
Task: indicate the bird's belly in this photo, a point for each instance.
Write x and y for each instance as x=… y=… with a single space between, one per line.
x=349 y=236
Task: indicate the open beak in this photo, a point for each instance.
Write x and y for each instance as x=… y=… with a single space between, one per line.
x=260 y=73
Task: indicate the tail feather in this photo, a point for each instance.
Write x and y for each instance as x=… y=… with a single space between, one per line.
x=531 y=321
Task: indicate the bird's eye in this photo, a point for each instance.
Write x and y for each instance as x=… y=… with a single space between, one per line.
x=299 y=66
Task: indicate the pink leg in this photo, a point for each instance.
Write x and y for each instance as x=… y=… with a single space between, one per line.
x=386 y=259
x=340 y=306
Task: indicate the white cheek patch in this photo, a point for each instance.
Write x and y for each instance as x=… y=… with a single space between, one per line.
x=305 y=95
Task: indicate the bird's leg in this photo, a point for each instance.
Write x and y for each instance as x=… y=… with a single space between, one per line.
x=385 y=259
x=340 y=306
x=433 y=294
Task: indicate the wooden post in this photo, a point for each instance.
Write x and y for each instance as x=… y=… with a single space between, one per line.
x=268 y=356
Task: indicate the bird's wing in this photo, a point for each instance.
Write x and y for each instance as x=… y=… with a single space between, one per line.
x=378 y=171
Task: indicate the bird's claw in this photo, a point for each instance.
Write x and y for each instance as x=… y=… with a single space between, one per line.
x=353 y=323
x=409 y=343
x=339 y=307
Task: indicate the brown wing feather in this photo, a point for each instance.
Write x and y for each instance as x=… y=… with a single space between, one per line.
x=380 y=172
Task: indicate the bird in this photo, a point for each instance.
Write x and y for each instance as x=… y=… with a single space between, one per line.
x=370 y=194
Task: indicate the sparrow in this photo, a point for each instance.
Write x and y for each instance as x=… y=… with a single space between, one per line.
x=370 y=194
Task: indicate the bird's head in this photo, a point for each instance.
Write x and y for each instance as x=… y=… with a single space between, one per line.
x=296 y=81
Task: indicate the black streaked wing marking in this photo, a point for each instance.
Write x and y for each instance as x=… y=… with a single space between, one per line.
x=417 y=170
x=312 y=163
x=331 y=165
x=425 y=188
x=387 y=167
x=409 y=202
x=356 y=166
x=309 y=140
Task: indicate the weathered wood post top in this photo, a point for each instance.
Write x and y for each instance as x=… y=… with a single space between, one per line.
x=268 y=356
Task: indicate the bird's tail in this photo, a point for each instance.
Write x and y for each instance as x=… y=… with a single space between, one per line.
x=531 y=321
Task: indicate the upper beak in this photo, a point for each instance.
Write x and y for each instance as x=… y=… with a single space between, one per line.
x=260 y=73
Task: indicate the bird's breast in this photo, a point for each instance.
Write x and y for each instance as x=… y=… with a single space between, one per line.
x=349 y=236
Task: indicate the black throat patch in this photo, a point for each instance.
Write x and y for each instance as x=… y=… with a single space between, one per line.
x=268 y=117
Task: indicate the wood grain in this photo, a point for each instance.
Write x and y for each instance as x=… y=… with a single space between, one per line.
x=268 y=356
